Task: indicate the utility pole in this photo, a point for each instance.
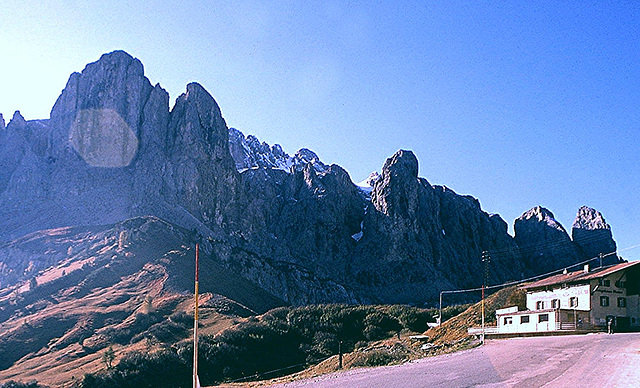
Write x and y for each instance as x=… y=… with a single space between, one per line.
x=601 y=255
x=440 y=310
x=340 y=355
x=196 y=381
x=486 y=258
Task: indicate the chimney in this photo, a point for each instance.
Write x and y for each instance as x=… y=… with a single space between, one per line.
x=586 y=268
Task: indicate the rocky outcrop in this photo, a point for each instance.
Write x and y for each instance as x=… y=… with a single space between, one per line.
x=543 y=242
x=201 y=175
x=248 y=152
x=113 y=150
x=100 y=106
x=291 y=226
x=592 y=235
x=545 y=245
x=418 y=239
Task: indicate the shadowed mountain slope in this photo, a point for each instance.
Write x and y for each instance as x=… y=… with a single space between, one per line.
x=102 y=203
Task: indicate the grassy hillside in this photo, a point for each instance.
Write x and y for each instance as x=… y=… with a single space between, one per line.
x=282 y=341
x=455 y=329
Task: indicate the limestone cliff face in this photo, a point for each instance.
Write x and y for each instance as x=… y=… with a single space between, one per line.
x=107 y=91
x=592 y=235
x=249 y=153
x=201 y=174
x=418 y=238
x=113 y=150
x=291 y=226
x=544 y=243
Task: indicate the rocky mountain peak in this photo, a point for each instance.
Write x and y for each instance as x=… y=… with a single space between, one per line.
x=17 y=121
x=539 y=224
x=592 y=235
x=590 y=219
x=290 y=225
x=2 y=124
x=249 y=152
x=199 y=120
x=207 y=106
x=305 y=156
x=372 y=178
x=115 y=81
x=541 y=214
x=367 y=185
x=397 y=190
x=402 y=164
x=103 y=102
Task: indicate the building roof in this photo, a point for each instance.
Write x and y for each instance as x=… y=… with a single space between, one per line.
x=580 y=276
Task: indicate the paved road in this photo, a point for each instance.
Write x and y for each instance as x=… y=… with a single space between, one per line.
x=595 y=360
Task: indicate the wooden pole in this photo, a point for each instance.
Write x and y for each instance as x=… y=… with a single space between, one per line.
x=196 y=383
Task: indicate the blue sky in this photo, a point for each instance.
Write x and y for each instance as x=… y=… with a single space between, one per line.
x=516 y=103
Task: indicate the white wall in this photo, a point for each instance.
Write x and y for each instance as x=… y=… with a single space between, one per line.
x=532 y=326
x=564 y=294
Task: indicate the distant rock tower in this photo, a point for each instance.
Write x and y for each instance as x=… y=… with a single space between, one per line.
x=544 y=243
x=592 y=235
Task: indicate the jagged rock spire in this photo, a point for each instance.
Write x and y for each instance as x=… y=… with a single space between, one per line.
x=544 y=243
x=17 y=121
x=592 y=235
x=396 y=192
x=589 y=219
x=101 y=107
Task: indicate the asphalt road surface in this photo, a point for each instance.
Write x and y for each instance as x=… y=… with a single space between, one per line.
x=594 y=360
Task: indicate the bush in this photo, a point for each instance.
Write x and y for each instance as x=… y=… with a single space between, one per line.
x=375 y=358
x=282 y=340
x=161 y=369
x=379 y=325
x=15 y=384
x=415 y=319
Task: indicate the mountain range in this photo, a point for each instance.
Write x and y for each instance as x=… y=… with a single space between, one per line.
x=102 y=204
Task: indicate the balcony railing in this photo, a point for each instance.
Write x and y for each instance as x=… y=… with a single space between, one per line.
x=478 y=330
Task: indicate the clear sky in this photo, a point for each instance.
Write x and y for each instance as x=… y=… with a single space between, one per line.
x=517 y=103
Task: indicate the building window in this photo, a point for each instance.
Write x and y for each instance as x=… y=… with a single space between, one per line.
x=604 y=282
x=622 y=302
x=539 y=305
x=524 y=319
x=604 y=301
x=573 y=301
x=555 y=304
x=543 y=318
x=508 y=320
x=620 y=283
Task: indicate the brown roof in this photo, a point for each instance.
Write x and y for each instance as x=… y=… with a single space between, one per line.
x=580 y=276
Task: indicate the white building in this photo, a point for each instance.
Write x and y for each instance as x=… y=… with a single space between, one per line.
x=581 y=300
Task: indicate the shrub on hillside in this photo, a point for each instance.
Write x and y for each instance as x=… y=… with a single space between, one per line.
x=160 y=369
x=282 y=341
x=378 y=357
x=15 y=384
x=413 y=318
